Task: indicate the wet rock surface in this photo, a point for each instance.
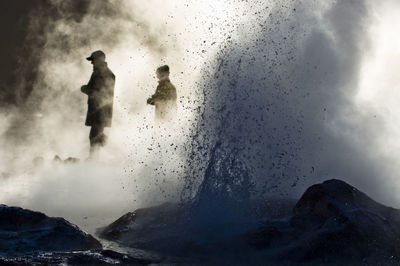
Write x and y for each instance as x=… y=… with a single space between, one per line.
x=23 y=231
x=32 y=238
x=100 y=257
x=332 y=223
x=147 y=227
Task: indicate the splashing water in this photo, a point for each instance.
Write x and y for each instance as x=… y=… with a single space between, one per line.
x=280 y=98
x=226 y=190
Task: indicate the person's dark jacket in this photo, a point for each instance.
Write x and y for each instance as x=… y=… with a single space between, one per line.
x=164 y=99
x=100 y=91
x=165 y=92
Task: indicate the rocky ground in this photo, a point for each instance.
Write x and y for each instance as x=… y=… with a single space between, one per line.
x=32 y=238
x=24 y=231
x=333 y=223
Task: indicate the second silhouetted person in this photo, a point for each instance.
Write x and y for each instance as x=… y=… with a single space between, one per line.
x=164 y=99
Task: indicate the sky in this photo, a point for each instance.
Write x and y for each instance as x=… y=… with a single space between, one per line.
x=299 y=91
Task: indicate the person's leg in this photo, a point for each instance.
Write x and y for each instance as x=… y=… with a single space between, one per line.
x=160 y=112
x=96 y=137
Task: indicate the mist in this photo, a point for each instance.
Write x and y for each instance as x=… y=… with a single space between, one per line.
x=283 y=95
x=277 y=83
x=142 y=162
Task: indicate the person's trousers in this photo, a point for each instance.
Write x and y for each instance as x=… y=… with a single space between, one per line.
x=97 y=137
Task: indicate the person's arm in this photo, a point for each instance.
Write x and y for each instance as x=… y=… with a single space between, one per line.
x=150 y=101
x=156 y=96
x=84 y=89
x=88 y=89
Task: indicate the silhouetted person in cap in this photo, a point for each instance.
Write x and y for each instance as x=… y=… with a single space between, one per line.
x=100 y=91
x=164 y=98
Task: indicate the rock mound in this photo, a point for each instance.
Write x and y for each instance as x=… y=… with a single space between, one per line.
x=23 y=231
x=332 y=223
x=145 y=226
x=335 y=197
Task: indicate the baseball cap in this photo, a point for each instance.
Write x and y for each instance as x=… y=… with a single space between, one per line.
x=96 y=55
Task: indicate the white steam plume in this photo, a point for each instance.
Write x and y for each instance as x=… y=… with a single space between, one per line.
x=143 y=161
x=328 y=46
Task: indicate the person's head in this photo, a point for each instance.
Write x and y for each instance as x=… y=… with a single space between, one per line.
x=97 y=58
x=162 y=72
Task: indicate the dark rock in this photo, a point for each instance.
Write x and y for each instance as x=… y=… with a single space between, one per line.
x=23 y=231
x=141 y=227
x=105 y=257
x=273 y=208
x=335 y=198
x=127 y=259
x=57 y=159
x=332 y=223
x=69 y=160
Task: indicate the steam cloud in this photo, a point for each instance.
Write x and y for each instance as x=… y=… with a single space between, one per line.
x=142 y=161
x=272 y=82
x=281 y=95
